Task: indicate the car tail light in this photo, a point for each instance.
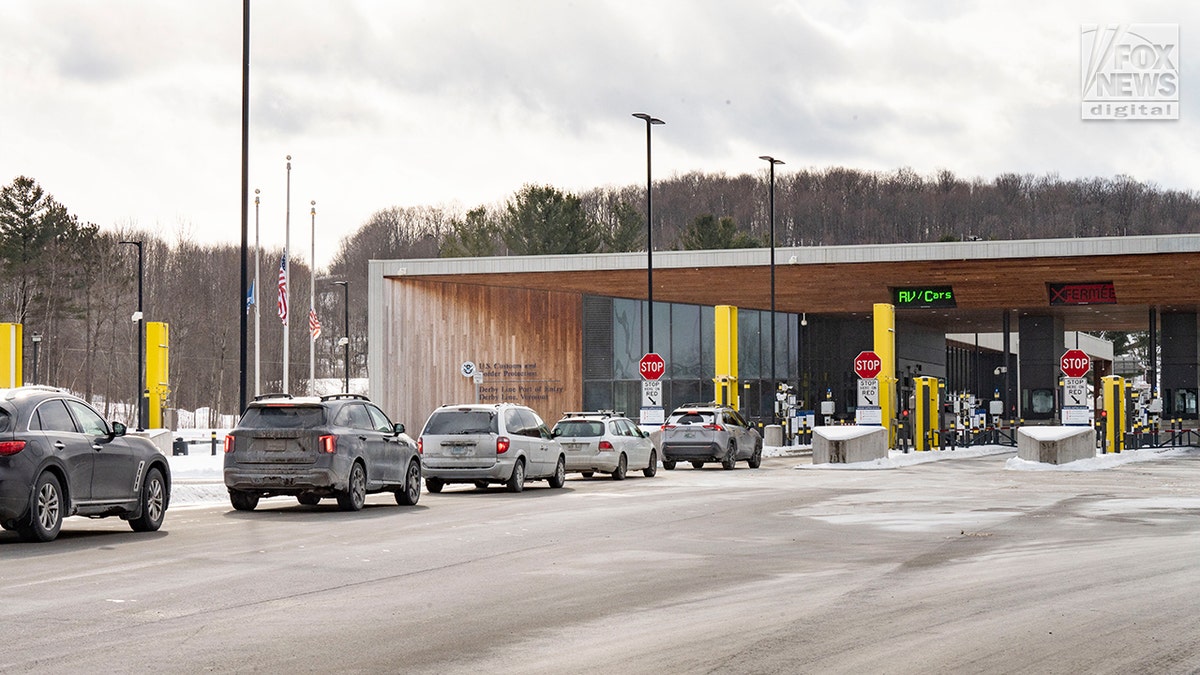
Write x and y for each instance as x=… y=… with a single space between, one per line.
x=502 y=443
x=328 y=444
x=228 y=443
x=668 y=426
x=606 y=445
x=420 y=445
x=11 y=447
x=714 y=427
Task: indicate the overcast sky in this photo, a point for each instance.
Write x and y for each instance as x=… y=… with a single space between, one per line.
x=129 y=111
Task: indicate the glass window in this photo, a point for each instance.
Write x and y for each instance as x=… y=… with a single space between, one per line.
x=53 y=416
x=627 y=339
x=284 y=417
x=88 y=420
x=515 y=423
x=586 y=428
x=1042 y=401
x=5 y=421
x=597 y=395
x=379 y=421
x=685 y=359
x=749 y=345
x=445 y=422
x=356 y=417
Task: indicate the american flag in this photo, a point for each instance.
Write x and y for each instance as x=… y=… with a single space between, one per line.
x=314 y=326
x=283 y=292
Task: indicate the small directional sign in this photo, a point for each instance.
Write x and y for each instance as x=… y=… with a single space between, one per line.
x=1075 y=392
x=651 y=393
x=868 y=392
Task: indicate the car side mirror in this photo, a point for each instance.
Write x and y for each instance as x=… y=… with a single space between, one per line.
x=118 y=429
x=398 y=428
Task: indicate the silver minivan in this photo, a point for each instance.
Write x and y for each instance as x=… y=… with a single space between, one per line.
x=484 y=444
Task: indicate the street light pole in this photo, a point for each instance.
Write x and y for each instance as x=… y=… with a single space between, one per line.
x=37 y=342
x=771 y=211
x=141 y=338
x=650 y=121
x=312 y=302
x=345 y=341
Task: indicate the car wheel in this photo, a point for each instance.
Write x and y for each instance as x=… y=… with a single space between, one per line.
x=622 y=468
x=516 y=482
x=481 y=485
x=411 y=493
x=434 y=485
x=308 y=498
x=669 y=464
x=730 y=459
x=355 y=495
x=559 y=478
x=756 y=458
x=45 y=510
x=153 y=503
x=587 y=474
x=243 y=501
x=652 y=469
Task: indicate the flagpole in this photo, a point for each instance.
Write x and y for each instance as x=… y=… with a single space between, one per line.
x=287 y=270
x=312 y=305
x=257 y=290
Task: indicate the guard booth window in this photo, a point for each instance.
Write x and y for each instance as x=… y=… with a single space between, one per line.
x=1183 y=402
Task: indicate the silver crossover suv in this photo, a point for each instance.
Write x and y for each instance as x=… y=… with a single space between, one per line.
x=607 y=442
x=709 y=432
x=489 y=443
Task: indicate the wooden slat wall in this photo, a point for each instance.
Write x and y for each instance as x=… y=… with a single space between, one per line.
x=433 y=327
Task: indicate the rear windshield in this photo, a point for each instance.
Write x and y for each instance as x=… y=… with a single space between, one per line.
x=579 y=428
x=5 y=420
x=284 y=417
x=451 y=422
x=692 y=417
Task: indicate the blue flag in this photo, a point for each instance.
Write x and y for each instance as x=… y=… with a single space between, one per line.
x=250 y=297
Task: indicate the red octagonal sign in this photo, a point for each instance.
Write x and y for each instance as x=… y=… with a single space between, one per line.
x=652 y=366
x=1075 y=363
x=867 y=365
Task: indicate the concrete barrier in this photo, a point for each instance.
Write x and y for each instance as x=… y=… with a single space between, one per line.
x=773 y=435
x=1055 y=445
x=844 y=445
x=161 y=438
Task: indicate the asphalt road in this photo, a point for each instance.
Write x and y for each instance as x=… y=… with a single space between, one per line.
x=953 y=566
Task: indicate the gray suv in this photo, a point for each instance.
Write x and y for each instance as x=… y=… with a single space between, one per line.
x=709 y=432
x=489 y=443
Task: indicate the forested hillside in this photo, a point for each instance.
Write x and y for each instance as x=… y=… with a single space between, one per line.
x=76 y=284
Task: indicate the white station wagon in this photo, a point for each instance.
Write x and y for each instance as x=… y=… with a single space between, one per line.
x=605 y=442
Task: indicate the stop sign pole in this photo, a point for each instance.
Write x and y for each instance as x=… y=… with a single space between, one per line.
x=652 y=367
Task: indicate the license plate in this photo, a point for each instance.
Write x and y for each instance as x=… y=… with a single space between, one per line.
x=573 y=447
x=689 y=434
x=276 y=445
x=461 y=451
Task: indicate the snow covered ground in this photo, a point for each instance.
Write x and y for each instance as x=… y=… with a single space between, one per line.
x=198 y=482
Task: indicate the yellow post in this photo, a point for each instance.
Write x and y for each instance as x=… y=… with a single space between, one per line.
x=885 y=348
x=925 y=427
x=157 y=347
x=11 y=342
x=1113 y=387
x=726 y=355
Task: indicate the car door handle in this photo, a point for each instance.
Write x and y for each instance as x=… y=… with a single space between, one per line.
x=59 y=445
x=96 y=447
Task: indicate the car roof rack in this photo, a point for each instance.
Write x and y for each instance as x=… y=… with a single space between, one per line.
x=15 y=391
x=263 y=397
x=595 y=413
x=344 y=396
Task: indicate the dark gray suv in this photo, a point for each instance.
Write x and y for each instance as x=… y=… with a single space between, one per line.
x=340 y=446
x=59 y=458
x=709 y=432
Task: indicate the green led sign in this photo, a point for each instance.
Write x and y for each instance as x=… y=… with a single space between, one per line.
x=923 y=297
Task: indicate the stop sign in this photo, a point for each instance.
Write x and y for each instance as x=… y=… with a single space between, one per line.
x=867 y=365
x=652 y=366
x=1075 y=363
